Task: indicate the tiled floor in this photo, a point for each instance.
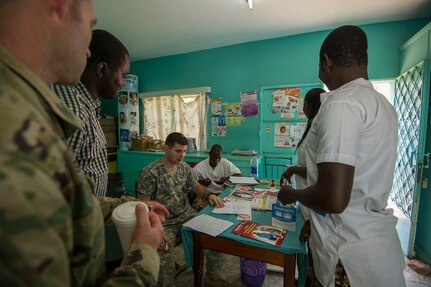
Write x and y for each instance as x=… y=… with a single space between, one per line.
x=231 y=273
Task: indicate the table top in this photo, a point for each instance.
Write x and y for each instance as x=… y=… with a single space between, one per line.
x=290 y=244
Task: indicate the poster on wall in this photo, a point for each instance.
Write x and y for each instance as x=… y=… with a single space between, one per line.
x=218 y=120
x=218 y=131
x=128 y=112
x=233 y=121
x=288 y=135
x=216 y=106
x=249 y=103
x=286 y=101
x=233 y=109
x=281 y=135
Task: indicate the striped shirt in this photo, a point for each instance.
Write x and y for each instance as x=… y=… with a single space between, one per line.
x=89 y=143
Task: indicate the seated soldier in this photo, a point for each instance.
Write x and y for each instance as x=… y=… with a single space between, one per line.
x=169 y=180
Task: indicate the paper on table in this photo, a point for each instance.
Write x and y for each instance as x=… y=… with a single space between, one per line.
x=208 y=224
x=239 y=207
x=242 y=180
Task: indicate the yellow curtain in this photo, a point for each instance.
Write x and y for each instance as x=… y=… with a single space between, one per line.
x=186 y=114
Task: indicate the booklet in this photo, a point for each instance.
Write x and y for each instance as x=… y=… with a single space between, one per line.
x=260 y=198
x=262 y=232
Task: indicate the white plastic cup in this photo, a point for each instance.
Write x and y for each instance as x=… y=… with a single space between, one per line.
x=124 y=218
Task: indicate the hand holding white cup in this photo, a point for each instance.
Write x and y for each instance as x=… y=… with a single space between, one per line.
x=135 y=223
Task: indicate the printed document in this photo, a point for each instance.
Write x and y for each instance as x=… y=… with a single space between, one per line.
x=239 y=207
x=208 y=224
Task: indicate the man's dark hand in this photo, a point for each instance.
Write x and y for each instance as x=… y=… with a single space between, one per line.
x=285 y=194
x=305 y=232
x=205 y=181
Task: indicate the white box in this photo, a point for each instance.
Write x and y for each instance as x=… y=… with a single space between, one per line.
x=284 y=216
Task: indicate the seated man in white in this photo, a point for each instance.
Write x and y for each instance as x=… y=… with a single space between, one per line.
x=215 y=170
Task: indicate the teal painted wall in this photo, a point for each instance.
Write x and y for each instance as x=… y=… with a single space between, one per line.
x=246 y=67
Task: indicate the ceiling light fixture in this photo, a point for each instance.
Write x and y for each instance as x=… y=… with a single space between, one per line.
x=250 y=4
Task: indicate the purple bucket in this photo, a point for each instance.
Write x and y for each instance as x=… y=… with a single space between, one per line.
x=252 y=272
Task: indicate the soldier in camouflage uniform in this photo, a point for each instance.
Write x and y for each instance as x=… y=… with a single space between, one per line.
x=169 y=180
x=51 y=224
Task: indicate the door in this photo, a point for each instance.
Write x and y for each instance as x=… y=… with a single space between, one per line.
x=411 y=105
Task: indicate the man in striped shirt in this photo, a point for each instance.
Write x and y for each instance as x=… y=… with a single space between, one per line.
x=103 y=77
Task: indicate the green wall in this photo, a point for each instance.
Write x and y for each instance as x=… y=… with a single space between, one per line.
x=246 y=67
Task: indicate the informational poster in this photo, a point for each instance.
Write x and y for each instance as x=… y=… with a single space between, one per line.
x=128 y=112
x=218 y=120
x=233 y=110
x=281 y=135
x=287 y=102
x=218 y=131
x=216 y=106
x=233 y=121
x=249 y=104
x=288 y=135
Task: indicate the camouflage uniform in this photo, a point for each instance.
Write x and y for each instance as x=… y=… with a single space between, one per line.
x=157 y=184
x=51 y=224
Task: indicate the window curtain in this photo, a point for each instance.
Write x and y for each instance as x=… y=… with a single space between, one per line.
x=186 y=114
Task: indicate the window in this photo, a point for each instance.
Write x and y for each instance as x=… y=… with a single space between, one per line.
x=183 y=111
x=384 y=87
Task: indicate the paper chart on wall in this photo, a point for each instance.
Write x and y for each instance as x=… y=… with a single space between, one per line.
x=288 y=135
x=128 y=112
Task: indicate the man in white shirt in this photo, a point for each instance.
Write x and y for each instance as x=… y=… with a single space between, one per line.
x=215 y=170
x=350 y=160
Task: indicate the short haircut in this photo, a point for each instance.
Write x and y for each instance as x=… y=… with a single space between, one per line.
x=174 y=138
x=346 y=46
x=216 y=146
x=105 y=47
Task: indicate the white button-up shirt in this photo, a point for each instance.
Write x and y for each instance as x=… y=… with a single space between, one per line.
x=224 y=168
x=357 y=126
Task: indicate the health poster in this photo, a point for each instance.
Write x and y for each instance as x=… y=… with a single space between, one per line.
x=216 y=106
x=233 y=121
x=249 y=103
x=233 y=110
x=128 y=112
x=218 y=131
x=281 y=135
x=285 y=100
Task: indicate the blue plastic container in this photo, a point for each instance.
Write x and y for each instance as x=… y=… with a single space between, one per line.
x=252 y=272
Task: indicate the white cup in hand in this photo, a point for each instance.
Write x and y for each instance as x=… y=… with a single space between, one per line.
x=124 y=217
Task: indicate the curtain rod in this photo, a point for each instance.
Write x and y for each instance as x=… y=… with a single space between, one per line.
x=189 y=91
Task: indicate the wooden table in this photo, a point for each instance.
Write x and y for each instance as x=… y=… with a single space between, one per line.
x=203 y=241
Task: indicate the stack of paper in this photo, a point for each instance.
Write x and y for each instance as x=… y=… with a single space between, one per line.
x=208 y=224
x=243 y=180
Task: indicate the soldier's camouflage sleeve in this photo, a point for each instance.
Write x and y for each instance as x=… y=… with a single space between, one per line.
x=51 y=224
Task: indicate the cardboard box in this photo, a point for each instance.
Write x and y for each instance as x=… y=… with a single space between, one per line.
x=139 y=144
x=284 y=216
x=111 y=140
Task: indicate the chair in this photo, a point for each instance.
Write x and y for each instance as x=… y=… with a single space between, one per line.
x=275 y=166
x=115 y=186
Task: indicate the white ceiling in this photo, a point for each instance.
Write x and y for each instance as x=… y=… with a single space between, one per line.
x=154 y=28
